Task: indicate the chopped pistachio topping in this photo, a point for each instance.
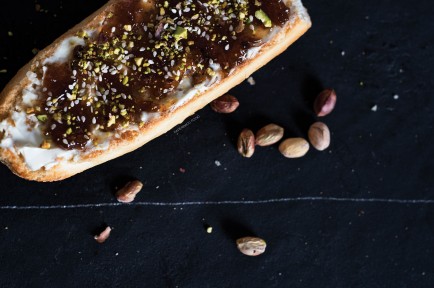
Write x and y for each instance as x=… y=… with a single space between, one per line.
x=81 y=34
x=135 y=64
x=42 y=118
x=180 y=33
x=111 y=121
x=260 y=15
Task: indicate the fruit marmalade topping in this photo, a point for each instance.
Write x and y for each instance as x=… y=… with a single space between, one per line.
x=136 y=62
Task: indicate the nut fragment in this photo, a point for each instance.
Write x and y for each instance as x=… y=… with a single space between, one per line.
x=294 y=147
x=325 y=102
x=240 y=27
x=246 y=143
x=129 y=191
x=319 y=136
x=103 y=235
x=45 y=144
x=251 y=246
x=269 y=135
x=225 y=104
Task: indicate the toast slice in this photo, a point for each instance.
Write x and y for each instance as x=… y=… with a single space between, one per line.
x=129 y=73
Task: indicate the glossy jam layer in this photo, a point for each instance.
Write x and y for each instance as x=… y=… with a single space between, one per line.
x=136 y=63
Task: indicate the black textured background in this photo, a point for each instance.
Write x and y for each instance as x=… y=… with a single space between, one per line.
x=368 y=51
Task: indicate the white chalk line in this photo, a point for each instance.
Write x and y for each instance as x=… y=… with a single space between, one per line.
x=228 y=202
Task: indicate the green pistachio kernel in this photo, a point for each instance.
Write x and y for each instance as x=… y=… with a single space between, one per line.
x=180 y=33
x=260 y=15
x=42 y=118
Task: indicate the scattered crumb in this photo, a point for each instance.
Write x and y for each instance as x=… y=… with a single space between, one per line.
x=217 y=163
x=209 y=230
x=140 y=167
x=343 y=53
x=396 y=96
x=3 y=71
x=374 y=108
x=6 y=228
x=102 y=237
x=182 y=170
x=251 y=81
x=116 y=254
x=157 y=187
x=10 y=33
x=35 y=51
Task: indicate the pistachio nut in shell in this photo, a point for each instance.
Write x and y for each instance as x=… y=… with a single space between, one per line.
x=325 y=102
x=251 y=246
x=246 y=143
x=225 y=104
x=294 y=147
x=319 y=136
x=268 y=135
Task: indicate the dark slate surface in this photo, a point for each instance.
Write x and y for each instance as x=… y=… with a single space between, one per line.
x=368 y=51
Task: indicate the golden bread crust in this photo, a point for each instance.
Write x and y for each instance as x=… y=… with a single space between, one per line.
x=131 y=140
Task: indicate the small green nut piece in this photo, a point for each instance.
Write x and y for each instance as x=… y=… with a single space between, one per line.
x=180 y=33
x=260 y=15
x=42 y=118
x=138 y=61
x=111 y=121
x=81 y=34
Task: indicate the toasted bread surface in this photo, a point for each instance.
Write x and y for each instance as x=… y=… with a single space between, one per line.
x=130 y=140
